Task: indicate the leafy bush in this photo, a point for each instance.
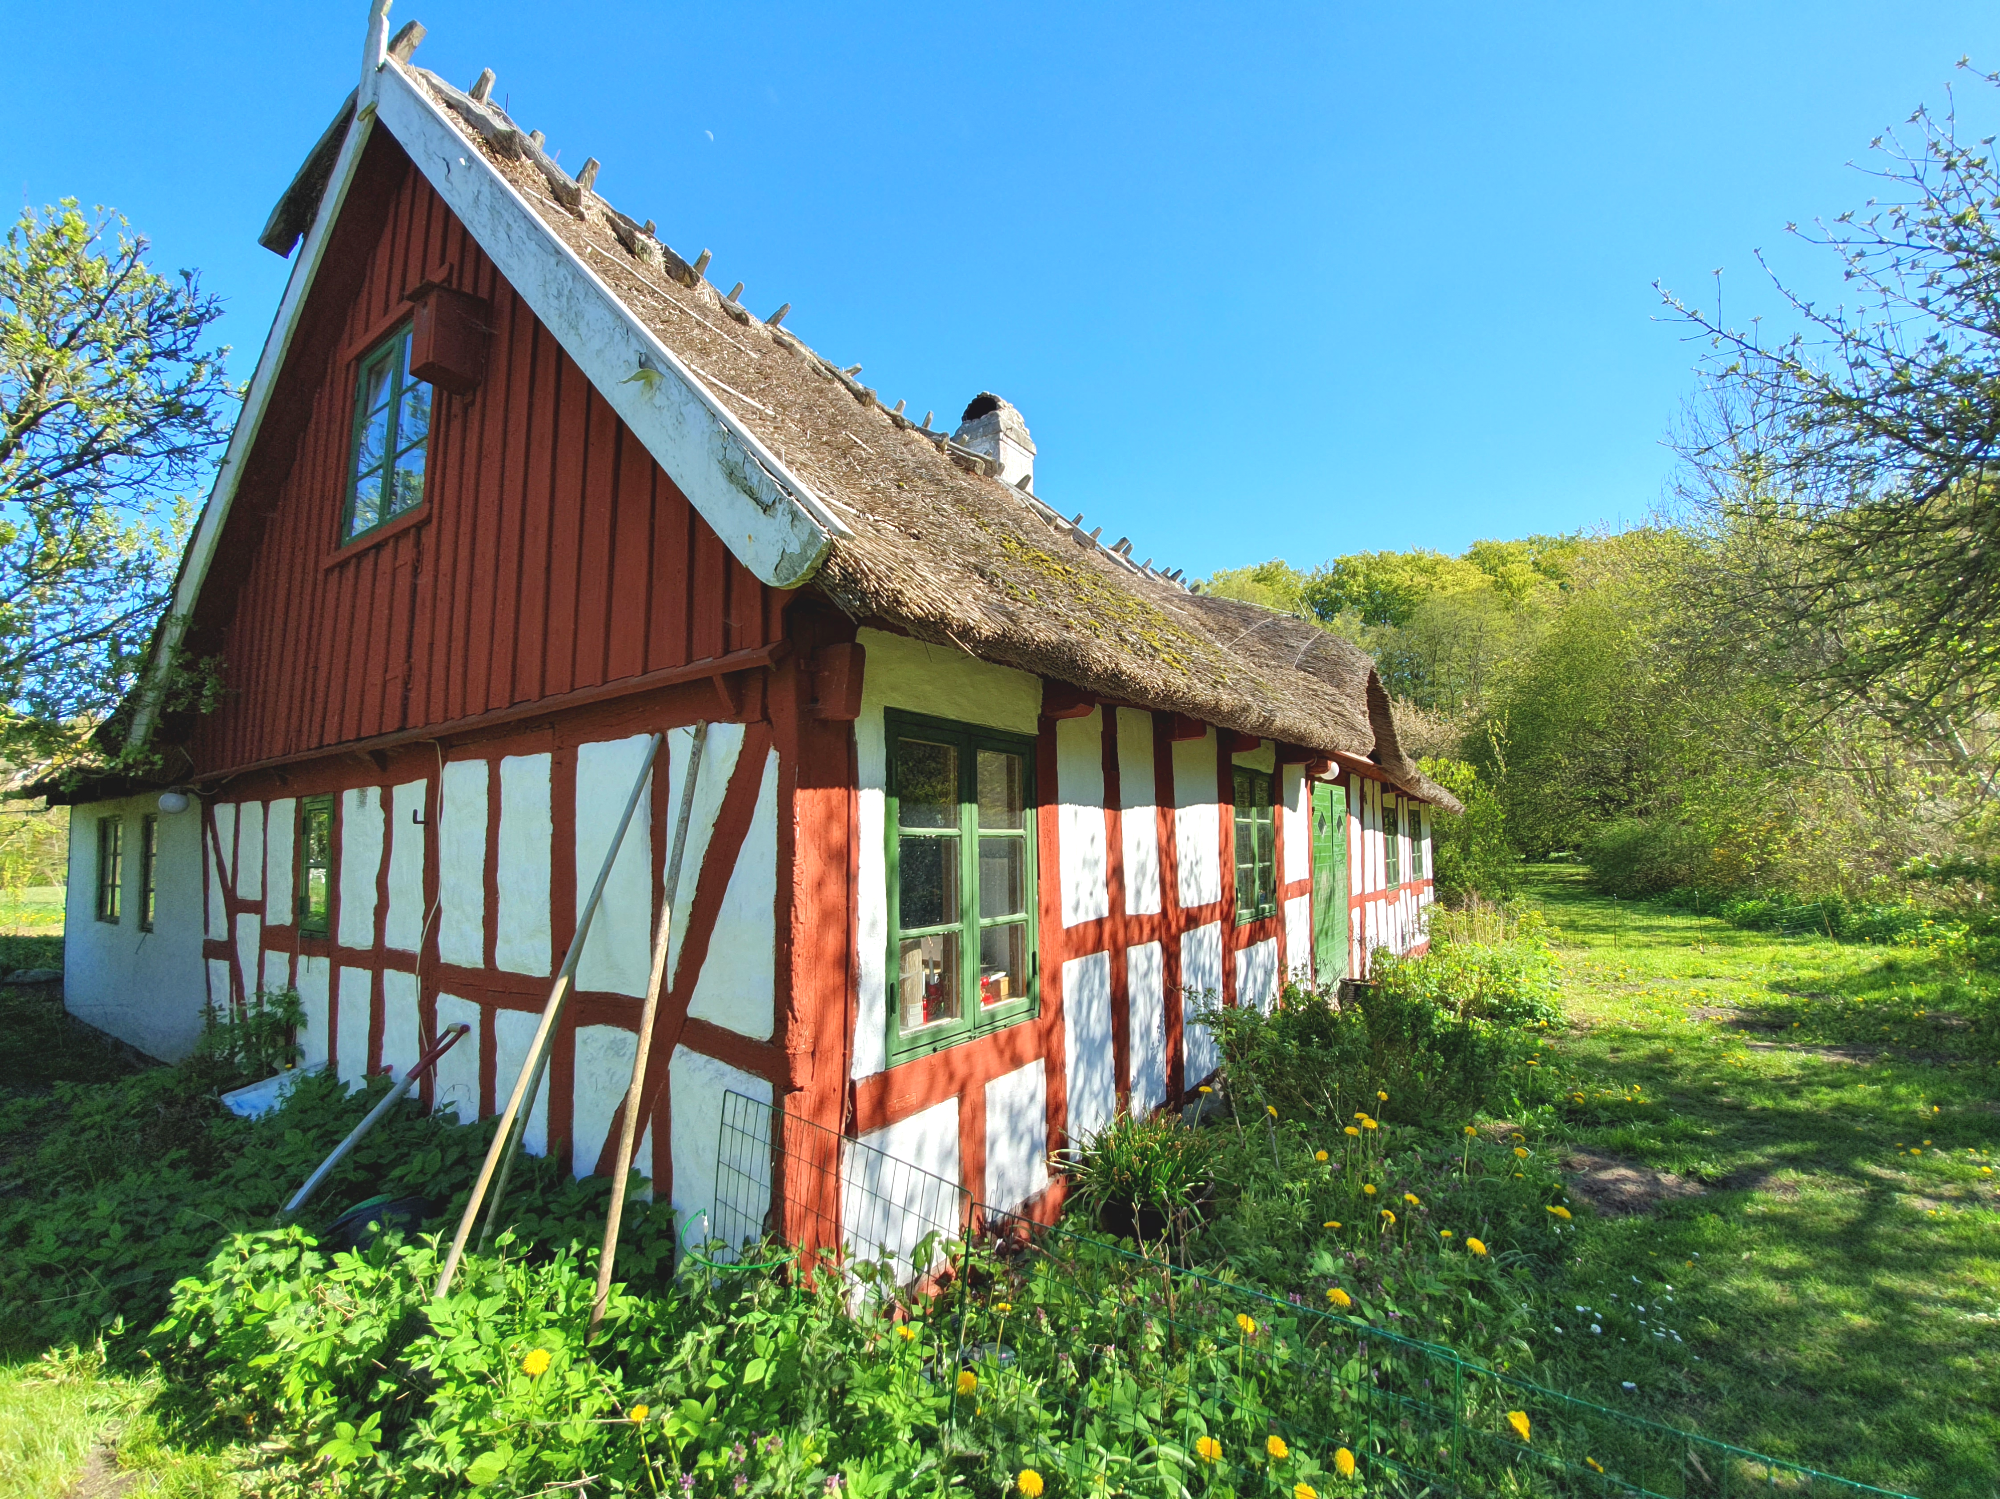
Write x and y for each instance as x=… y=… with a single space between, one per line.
x=1472 y=852
x=1158 y=1167
x=1638 y=856
x=238 y=1047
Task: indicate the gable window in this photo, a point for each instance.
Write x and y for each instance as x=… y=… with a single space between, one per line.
x=961 y=827
x=1256 y=846
x=110 y=867
x=149 y=864
x=392 y=424
x=314 y=878
x=1392 y=842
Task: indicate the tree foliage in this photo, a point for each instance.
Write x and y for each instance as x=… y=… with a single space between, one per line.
x=112 y=402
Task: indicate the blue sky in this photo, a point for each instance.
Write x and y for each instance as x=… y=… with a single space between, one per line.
x=1266 y=281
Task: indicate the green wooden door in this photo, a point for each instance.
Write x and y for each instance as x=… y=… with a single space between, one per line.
x=1329 y=828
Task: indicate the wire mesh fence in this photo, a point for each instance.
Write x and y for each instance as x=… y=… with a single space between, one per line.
x=1112 y=1369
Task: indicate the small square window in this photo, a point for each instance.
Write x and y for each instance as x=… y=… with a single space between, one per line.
x=110 y=867
x=149 y=869
x=392 y=425
x=1256 y=846
x=313 y=888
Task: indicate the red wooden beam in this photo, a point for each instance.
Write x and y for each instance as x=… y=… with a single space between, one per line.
x=1180 y=727
x=1066 y=700
x=1233 y=742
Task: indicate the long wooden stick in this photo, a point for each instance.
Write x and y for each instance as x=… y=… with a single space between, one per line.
x=507 y=1138
x=662 y=941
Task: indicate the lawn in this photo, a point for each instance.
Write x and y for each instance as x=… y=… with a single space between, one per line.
x=1835 y=1287
x=37 y=910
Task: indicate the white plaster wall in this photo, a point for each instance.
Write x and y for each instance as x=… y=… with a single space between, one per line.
x=1298 y=938
x=904 y=673
x=1080 y=840
x=1146 y=1029
x=315 y=1037
x=403 y=924
x=1139 y=822
x=1263 y=755
x=1297 y=801
x=216 y=922
x=462 y=865
x=618 y=952
x=1201 y=987
x=737 y=985
x=455 y=1084
x=696 y=1083
x=277 y=972
x=402 y=1026
x=718 y=763
x=1017 y=1136
x=1092 y=1068
x=279 y=854
x=513 y=1030
x=361 y=827
x=522 y=921
x=1257 y=974
x=603 y=1072
x=221 y=993
x=1197 y=821
x=249 y=943
x=250 y=853
x=352 y=1016
x=883 y=1211
x=146 y=988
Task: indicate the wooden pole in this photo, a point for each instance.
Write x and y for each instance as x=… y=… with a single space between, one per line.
x=662 y=942
x=513 y=1119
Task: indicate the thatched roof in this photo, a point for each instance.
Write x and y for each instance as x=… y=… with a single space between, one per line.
x=936 y=545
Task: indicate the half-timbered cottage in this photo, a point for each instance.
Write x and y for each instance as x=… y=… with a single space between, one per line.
x=987 y=807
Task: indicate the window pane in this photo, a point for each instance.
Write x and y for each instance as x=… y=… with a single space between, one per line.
x=315 y=865
x=375 y=387
x=367 y=503
x=413 y=418
x=1000 y=789
x=1003 y=963
x=926 y=784
x=407 y=485
x=373 y=444
x=1003 y=877
x=927 y=883
x=927 y=990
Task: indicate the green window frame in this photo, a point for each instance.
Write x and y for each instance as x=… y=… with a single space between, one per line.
x=110 y=868
x=1256 y=846
x=312 y=886
x=1419 y=868
x=1392 y=842
x=392 y=425
x=149 y=865
x=960 y=825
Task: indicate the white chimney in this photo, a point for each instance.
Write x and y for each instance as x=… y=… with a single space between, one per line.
x=992 y=427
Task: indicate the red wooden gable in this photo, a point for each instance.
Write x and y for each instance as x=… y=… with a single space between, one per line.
x=551 y=554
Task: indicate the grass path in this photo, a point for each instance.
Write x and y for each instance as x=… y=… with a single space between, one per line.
x=1836 y=1285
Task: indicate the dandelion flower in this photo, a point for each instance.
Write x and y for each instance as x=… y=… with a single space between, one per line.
x=1339 y=1297
x=1412 y=1200
x=1368 y=1189
x=1208 y=1449
x=638 y=1413
x=907 y=1333
x=1351 y=1130
x=1521 y=1151
x=1319 y=1155
x=1271 y=1109
x=1380 y=1096
x=1470 y=1131
x=1030 y=1483
x=1304 y=1491
x=1343 y=1462
x=967 y=1381
x=1560 y=1211
x=1204 y=1088
x=1003 y=1307
x=1477 y=1246
x=535 y=1363
x=1388 y=1218
x=1596 y=1466
x=1331 y=1223
x=1519 y=1421
x=1275 y=1445
x=1369 y=1124
x=1444 y=1233
x=1246 y=1324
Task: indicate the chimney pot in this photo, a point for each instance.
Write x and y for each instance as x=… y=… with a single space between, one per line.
x=990 y=426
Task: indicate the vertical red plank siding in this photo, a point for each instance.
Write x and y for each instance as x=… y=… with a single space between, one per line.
x=552 y=552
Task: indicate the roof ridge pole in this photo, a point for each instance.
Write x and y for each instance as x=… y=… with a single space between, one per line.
x=374 y=53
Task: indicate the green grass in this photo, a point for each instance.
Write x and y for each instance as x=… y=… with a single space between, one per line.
x=1837 y=1298
x=66 y=1419
x=37 y=910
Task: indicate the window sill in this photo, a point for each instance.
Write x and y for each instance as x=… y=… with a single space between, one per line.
x=409 y=520
x=917 y=1047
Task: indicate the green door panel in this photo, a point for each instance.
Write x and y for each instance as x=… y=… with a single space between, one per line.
x=1329 y=857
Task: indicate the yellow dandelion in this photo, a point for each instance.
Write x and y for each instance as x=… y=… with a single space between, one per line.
x=1477 y=1246
x=1369 y=1124
x=1388 y=1218
x=1271 y=1110
x=1368 y=1189
x=1444 y=1233
x=1470 y=1131
x=1360 y=1113
x=1380 y=1096
x=1275 y=1445
x=1319 y=1155
x=1003 y=1307
x=1246 y=1324
x=1204 y=1088
x=1339 y=1297
x=1595 y=1465
x=1351 y=1130
x=967 y=1381
x=1521 y=1151
x=1208 y=1449
x=1029 y=1482
x=1519 y=1421
x=1343 y=1462
x=1412 y=1200
x=1304 y=1491
x=907 y=1333
x=638 y=1413
x=1560 y=1211
x=1331 y=1223
x=535 y=1363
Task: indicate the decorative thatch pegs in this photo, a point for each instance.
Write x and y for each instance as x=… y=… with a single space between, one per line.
x=1097 y=533
x=851 y=371
x=587 y=175
x=1023 y=482
x=736 y=292
x=537 y=139
x=927 y=419
x=1124 y=546
x=777 y=317
x=1077 y=520
x=899 y=407
x=482 y=87
x=701 y=262
x=403 y=45
x=652 y=230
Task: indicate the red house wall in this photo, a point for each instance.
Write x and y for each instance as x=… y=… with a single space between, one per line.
x=551 y=554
